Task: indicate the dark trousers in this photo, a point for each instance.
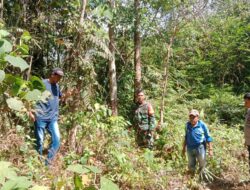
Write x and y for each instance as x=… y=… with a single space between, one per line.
x=145 y=138
x=248 y=148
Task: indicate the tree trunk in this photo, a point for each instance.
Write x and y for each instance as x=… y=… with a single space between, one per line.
x=112 y=68
x=72 y=133
x=1 y=10
x=165 y=79
x=83 y=7
x=137 y=53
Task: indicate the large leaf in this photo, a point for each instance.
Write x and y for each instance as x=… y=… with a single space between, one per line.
x=108 y=14
x=93 y=169
x=5 y=46
x=16 y=84
x=6 y=171
x=77 y=168
x=107 y=184
x=17 y=62
x=2 y=75
x=4 y=33
x=15 y=104
x=37 y=83
x=33 y=95
x=17 y=183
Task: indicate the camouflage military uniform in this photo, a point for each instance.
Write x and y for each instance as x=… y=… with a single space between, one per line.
x=145 y=123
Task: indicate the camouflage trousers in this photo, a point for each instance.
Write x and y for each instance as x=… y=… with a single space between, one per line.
x=145 y=138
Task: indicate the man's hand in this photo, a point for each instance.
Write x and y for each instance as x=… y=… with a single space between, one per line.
x=210 y=152
x=31 y=116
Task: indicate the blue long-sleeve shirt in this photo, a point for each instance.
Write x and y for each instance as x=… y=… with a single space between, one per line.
x=196 y=135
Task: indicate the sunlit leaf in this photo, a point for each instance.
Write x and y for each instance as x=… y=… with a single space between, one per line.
x=33 y=95
x=77 y=168
x=2 y=75
x=4 y=33
x=17 y=183
x=93 y=169
x=15 y=104
x=17 y=62
x=6 y=172
x=107 y=184
x=97 y=106
x=108 y=14
x=5 y=46
x=26 y=36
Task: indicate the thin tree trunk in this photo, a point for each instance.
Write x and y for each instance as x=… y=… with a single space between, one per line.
x=72 y=133
x=112 y=68
x=1 y=10
x=165 y=79
x=137 y=44
x=24 y=11
x=83 y=7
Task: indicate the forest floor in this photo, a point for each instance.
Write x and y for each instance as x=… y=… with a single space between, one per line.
x=180 y=184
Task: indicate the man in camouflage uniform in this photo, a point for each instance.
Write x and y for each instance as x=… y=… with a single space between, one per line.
x=144 y=121
x=247 y=125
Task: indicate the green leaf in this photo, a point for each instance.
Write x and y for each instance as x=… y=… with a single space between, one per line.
x=17 y=183
x=5 y=46
x=37 y=187
x=16 y=84
x=107 y=184
x=26 y=36
x=4 y=33
x=33 y=95
x=77 y=168
x=9 y=185
x=24 y=49
x=15 y=104
x=37 y=83
x=6 y=171
x=97 y=106
x=78 y=182
x=17 y=62
x=93 y=169
x=149 y=156
x=2 y=75
x=108 y=14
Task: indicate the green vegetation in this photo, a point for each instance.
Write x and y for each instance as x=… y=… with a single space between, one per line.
x=204 y=49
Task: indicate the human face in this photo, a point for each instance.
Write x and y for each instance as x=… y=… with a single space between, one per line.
x=247 y=103
x=140 y=97
x=55 y=78
x=193 y=119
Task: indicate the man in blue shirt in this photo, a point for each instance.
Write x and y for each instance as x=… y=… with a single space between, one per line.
x=46 y=116
x=196 y=138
